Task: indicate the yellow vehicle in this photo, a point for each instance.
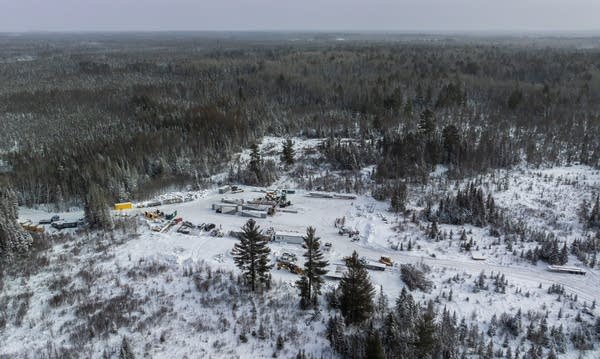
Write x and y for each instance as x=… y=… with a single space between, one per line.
x=290 y=267
x=387 y=261
x=31 y=227
x=153 y=215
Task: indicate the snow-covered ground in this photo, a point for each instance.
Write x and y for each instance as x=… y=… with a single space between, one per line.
x=380 y=232
x=177 y=294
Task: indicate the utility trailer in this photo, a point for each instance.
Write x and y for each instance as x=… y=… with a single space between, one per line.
x=49 y=221
x=566 y=269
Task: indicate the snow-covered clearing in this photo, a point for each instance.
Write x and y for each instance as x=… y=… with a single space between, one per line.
x=185 y=325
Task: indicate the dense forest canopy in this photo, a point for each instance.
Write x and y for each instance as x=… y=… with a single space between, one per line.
x=136 y=112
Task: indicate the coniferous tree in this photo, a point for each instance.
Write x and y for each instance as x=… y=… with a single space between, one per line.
x=97 y=213
x=255 y=161
x=254 y=157
x=398 y=199
x=288 y=153
x=251 y=255
x=594 y=216
x=314 y=269
x=373 y=346
x=356 y=299
x=125 y=351
x=425 y=331
x=13 y=238
x=335 y=334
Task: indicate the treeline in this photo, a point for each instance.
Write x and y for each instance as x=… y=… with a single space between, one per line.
x=136 y=117
x=13 y=238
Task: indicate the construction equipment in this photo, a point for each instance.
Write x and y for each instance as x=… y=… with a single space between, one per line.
x=282 y=200
x=387 y=261
x=340 y=222
x=171 y=216
x=236 y=189
x=154 y=215
x=217 y=233
x=288 y=257
x=350 y=232
x=31 y=227
x=291 y=267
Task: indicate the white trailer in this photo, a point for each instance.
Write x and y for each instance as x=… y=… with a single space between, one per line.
x=253 y=214
x=566 y=269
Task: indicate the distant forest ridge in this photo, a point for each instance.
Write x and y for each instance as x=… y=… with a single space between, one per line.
x=135 y=113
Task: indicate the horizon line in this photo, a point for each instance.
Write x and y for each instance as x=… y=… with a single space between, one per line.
x=320 y=31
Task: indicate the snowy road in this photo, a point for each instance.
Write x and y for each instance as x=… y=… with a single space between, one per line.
x=587 y=287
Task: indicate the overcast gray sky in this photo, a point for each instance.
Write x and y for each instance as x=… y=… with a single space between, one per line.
x=415 y=15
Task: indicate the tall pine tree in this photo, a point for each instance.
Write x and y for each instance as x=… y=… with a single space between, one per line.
x=425 y=330
x=288 y=153
x=97 y=213
x=13 y=239
x=251 y=255
x=255 y=161
x=314 y=269
x=356 y=300
x=373 y=346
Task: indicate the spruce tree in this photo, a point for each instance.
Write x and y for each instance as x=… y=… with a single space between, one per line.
x=314 y=268
x=13 y=238
x=398 y=199
x=373 y=346
x=594 y=217
x=356 y=300
x=125 y=351
x=425 y=330
x=97 y=213
x=254 y=165
x=288 y=153
x=251 y=255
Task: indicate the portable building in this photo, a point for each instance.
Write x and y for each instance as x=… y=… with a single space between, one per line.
x=123 y=206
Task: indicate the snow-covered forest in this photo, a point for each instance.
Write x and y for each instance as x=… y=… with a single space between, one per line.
x=445 y=193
